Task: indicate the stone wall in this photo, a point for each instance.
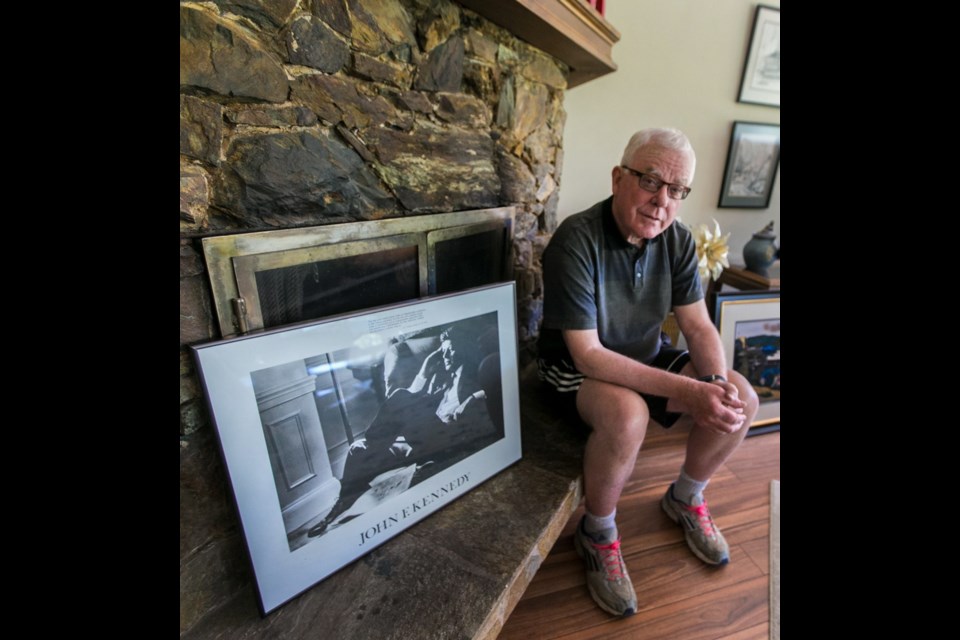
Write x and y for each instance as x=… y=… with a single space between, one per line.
x=307 y=112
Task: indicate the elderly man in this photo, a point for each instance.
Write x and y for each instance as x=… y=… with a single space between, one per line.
x=612 y=273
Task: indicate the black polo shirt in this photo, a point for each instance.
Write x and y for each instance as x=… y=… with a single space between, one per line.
x=594 y=279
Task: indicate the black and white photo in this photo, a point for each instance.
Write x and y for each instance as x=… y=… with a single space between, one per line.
x=393 y=414
x=339 y=434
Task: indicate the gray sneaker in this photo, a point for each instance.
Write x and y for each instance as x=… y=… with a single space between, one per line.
x=607 y=576
x=703 y=536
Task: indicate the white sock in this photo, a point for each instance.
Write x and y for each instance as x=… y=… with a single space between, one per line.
x=688 y=490
x=595 y=525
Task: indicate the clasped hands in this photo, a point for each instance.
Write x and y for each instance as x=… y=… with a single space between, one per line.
x=718 y=406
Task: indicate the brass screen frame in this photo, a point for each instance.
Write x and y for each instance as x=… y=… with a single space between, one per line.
x=221 y=253
x=460 y=231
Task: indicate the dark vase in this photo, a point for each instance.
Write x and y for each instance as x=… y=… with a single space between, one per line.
x=761 y=251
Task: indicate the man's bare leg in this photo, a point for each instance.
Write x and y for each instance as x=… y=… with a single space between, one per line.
x=618 y=418
x=707 y=450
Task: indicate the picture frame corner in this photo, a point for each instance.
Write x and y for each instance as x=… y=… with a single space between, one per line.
x=760 y=80
x=751 y=307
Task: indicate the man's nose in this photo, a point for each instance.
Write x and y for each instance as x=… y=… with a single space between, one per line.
x=661 y=197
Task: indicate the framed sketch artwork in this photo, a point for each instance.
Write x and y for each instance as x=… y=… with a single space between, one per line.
x=338 y=434
x=752 y=163
x=760 y=83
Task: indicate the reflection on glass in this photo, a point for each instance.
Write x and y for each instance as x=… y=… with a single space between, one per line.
x=470 y=261
x=328 y=287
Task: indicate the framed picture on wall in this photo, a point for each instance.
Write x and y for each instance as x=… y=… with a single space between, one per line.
x=749 y=326
x=761 y=71
x=339 y=434
x=752 y=162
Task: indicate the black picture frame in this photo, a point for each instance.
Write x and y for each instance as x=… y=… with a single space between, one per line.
x=753 y=159
x=749 y=327
x=339 y=434
x=760 y=83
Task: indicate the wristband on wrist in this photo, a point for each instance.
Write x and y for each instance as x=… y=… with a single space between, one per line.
x=713 y=377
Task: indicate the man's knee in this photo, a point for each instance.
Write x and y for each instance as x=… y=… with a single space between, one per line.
x=746 y=392
x=613 y=411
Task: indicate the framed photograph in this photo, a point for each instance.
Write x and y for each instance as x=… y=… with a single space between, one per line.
x=749 y=325
x=338 y=434
x=752 y=163
x=761 y=71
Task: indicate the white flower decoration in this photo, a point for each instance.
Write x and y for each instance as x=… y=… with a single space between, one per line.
x=711 y=251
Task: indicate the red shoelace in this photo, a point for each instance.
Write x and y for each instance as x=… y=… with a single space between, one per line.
x=611 y=558
x=703 y=515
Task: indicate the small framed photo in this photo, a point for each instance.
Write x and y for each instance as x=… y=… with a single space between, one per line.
x=752 y=163
x=749 y=326
x=339 y=434
x=761 y=71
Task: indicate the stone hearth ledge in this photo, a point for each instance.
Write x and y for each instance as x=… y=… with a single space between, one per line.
x=457 y=574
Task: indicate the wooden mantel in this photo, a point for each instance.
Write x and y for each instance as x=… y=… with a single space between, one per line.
x=570 y=30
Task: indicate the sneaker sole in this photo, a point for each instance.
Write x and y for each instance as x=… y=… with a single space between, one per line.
x=578 y=545
x=673 y=515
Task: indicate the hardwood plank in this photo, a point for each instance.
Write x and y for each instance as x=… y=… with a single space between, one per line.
x=747 y=534
x=654 y=473
x=564 y=612
x=764 y=456
x=758 y=550
x=738 y=510
x=658 y=437
x=700 y=617
x=662 y=577
x=680 y=598
x=670 y=575
x=759 y=632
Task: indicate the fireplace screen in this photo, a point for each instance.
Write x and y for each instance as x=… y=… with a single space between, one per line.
x=274 y=278
x=468 y=256
x=304 y=284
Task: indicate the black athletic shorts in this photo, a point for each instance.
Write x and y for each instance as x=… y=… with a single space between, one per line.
x=563 y=378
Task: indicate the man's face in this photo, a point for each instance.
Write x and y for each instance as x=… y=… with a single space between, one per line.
x=640 y=214
x=449 y=353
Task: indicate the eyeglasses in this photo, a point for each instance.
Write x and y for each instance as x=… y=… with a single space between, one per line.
x=653 y=184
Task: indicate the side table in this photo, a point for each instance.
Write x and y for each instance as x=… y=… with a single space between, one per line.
x=738 y=277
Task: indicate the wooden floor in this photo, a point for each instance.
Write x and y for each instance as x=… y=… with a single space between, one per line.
x=679 y=597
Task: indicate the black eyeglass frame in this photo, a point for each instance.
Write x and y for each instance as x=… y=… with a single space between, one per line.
x=684 y=191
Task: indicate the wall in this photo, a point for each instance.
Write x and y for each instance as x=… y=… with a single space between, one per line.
x=680 y=63
x=307 y=112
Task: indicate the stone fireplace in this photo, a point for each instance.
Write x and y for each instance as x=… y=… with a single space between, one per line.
x=299 y=113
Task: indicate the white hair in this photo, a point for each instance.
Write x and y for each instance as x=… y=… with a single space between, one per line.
x=673 y=139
